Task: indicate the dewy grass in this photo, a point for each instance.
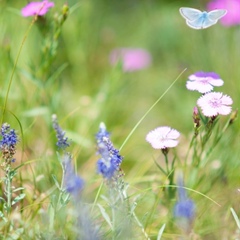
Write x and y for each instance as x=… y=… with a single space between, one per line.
x=87 y=65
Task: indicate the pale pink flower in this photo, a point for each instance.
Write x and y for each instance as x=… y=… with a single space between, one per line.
x=215 y=103
x=37 y=8
x=203 y=82
x=233 y=10
x=132 y=59
x=163 y=137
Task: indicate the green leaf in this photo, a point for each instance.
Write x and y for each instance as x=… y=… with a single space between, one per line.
x=18 y=189
x=56 y=182
x=18 y=198
x=2 y=216
x=235 y=217
x=105 y=216
x=161 y=232
x=2 y=199
x=38 y=111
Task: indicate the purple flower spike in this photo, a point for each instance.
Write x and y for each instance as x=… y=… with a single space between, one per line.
x=185 y=207
x=109 y=163
x=37 y=8
x=215 y=103
x=203 y=82
x=72 y=182
x=163 y=137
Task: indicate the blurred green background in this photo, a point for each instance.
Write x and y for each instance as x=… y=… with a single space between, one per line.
x=89 y=90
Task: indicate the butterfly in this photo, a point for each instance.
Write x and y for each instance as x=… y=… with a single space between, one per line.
x=200 y=20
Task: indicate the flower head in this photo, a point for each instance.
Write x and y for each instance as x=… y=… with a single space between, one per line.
x=109 y=163
x=62 y=142
x=203 y=82
x=132 y=59
x=37 y=8
x=72 y=182
x=8 y=142
x=163 y=137
x=215 y=103
x=184 y=209
x=233 y=9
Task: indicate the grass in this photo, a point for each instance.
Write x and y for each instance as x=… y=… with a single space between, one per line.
x=70 y=75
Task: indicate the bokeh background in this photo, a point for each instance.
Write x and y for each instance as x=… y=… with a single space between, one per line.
x=89 y=90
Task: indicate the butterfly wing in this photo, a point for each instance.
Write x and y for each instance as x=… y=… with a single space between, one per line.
x=190 y=14
x=199 y=23
x=215 y=15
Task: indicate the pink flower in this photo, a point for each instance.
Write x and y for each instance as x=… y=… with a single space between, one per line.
x=233 y=10
x=132 y=59
x=203 y=82
x=215 y=103
x=37 y=8
x=163 y=137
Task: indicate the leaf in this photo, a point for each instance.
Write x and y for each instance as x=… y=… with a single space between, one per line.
x=2 y=217
x=235 y=217
x=105 y=215
x=18 y=189
x=2 y=199
x=161 y=231
x=56 y=74
x=36 y=112
x=56 y=182
x=18 y=198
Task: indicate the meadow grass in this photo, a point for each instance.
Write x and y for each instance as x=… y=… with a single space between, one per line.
x=59 y=64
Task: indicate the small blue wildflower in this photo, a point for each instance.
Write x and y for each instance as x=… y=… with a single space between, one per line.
x=62 y=142
x=185 y=207
x=8 y=142
x=9 y=136
x=72 y=182
x=109 y=163
x=102 y=132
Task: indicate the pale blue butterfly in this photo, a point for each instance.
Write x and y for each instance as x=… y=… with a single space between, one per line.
x=200 y=20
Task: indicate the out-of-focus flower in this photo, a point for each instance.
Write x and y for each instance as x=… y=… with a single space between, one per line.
x=203 y=82
x=62 y=142
x=8 y=142
x=109 y=163
x=215 y=103
x=233 y=9
x=184 y=209
x=72 y=182
x=37 y=8
x=132 y=59
x=163 y=137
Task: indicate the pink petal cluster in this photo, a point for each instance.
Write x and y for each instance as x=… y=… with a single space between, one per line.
x=37 y=8
x=163 y=137
x=203 y=82
x=233 y=11
x=132 y=59
x=215 y=103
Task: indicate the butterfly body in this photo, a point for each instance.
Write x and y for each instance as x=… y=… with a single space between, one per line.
x=200 y=20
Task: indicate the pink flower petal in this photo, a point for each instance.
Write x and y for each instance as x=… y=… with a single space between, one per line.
x=37 y=8
x=203 y=82
x=133 y=59
x=163 y=137
x=215 y=103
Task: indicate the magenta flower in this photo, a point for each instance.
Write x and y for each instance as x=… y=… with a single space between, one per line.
x=132 y=59
x=233 y=9
x=163 y=137
x=37 y=8
x=203 y=82
x=215 y=103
